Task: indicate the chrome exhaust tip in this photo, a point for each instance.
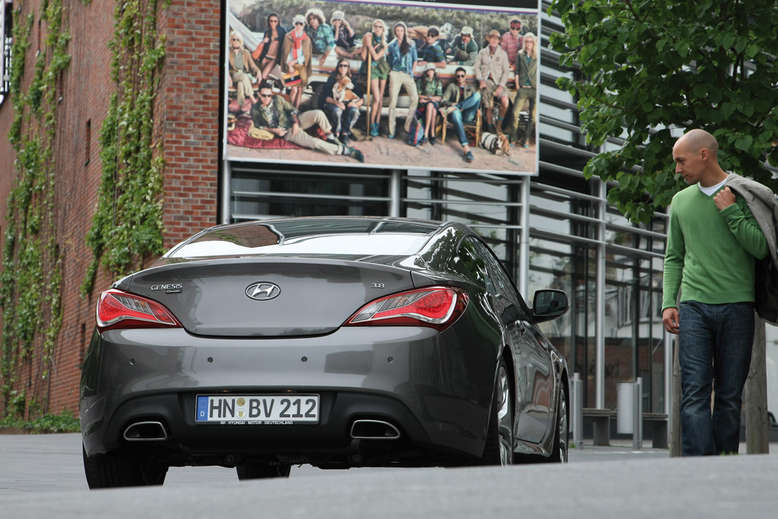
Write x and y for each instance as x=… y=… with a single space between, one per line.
x=148 y=431
x=374 y=430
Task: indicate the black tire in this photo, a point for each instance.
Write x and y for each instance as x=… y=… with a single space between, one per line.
x=115 y=470
x=262 y=471
x=562 y=430
x=499 y=437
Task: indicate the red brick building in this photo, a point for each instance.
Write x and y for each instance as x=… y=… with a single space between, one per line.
x=186 y=126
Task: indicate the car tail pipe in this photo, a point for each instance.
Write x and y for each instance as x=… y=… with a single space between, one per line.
x=145 y=431
x=370 y=429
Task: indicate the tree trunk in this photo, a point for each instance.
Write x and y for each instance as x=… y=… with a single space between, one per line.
x=755 y=395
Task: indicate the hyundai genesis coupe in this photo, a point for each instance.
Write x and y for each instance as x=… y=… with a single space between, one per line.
x=331 y=341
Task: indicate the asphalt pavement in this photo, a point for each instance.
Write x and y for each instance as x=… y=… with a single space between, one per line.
x=42 y=476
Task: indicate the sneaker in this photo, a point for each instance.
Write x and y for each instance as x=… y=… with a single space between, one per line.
x=331 y=138
x=469 y=156
x=390 y=136
x=374 y=130
x=433 y=141
x=354 y=153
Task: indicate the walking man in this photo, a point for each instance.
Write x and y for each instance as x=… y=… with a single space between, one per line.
x=712 y=246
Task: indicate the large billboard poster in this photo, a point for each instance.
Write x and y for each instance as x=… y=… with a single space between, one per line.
x=396 y=85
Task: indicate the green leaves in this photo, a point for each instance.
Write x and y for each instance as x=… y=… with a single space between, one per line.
x=30 y=280
x=127 y=225
x=650 y=66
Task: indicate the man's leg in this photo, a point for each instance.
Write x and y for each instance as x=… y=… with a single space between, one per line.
x=469 y=107
x=315 y=117
x=395 y=82
x=456 y=120
x=306 y=141
x=695 y=353
x=732 y=359
x=333 y=114
x=350 y=119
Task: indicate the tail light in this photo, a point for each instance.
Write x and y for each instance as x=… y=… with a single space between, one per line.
x=436 y=307
x=117 y=309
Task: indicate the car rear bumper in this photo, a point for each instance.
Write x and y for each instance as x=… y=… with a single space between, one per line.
x=431 y=386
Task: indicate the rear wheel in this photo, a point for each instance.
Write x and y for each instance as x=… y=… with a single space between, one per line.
x=559 y=452
x=262 y=470
x=499 y=437
x=117 y=470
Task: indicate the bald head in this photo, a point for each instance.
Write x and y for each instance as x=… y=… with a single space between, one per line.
x=695 y=156
x=695 y=140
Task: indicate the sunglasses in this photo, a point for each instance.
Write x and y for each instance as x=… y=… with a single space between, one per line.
x=460 y=75
x=273 y=21
x=299 y=23
x=343 y=65
x=517 y=27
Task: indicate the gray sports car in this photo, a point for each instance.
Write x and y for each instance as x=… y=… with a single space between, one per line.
x=333 y=341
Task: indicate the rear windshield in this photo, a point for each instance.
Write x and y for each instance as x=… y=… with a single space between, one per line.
x=317 y=237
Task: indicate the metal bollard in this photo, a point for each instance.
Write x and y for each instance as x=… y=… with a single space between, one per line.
x=577 y=410
x=637 y=415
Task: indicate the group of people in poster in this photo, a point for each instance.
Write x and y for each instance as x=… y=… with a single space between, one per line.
x=269 y=80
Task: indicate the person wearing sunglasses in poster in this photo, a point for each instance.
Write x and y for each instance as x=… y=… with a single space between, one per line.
x=242 y=67
x=460 y=102
x=340 y=100
x=512 y=40
x=277 y=116
x=268 y=51
x=296 y=54
x=374 y=51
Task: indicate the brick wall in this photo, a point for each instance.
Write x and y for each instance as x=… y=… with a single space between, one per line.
x=186 y=123
x=189 y=108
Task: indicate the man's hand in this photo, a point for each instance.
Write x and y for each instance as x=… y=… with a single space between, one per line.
x=295 y=129
x=482 y=84
x=724 y=198
x=671 y=320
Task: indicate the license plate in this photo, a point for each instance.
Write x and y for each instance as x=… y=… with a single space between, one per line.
x=257 y=409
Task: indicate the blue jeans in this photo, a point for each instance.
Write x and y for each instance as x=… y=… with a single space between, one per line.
x=342 y=121
x=714 y=347
x=465 y=113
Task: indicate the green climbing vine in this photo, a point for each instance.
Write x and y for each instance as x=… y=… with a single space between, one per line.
x=127 y=225
x=31 y=278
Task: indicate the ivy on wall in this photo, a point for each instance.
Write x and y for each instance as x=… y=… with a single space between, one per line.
x=127 y=225
x=30 y=281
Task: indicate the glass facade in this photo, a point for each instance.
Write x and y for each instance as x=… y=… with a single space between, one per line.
x=554 y=230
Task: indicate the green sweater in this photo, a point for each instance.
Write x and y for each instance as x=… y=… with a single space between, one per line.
x=710 y=253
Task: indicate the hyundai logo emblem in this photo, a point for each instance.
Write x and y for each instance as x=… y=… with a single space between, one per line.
x=263 y=291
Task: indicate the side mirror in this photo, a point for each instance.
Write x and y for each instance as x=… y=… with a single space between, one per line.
x=548 y=304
